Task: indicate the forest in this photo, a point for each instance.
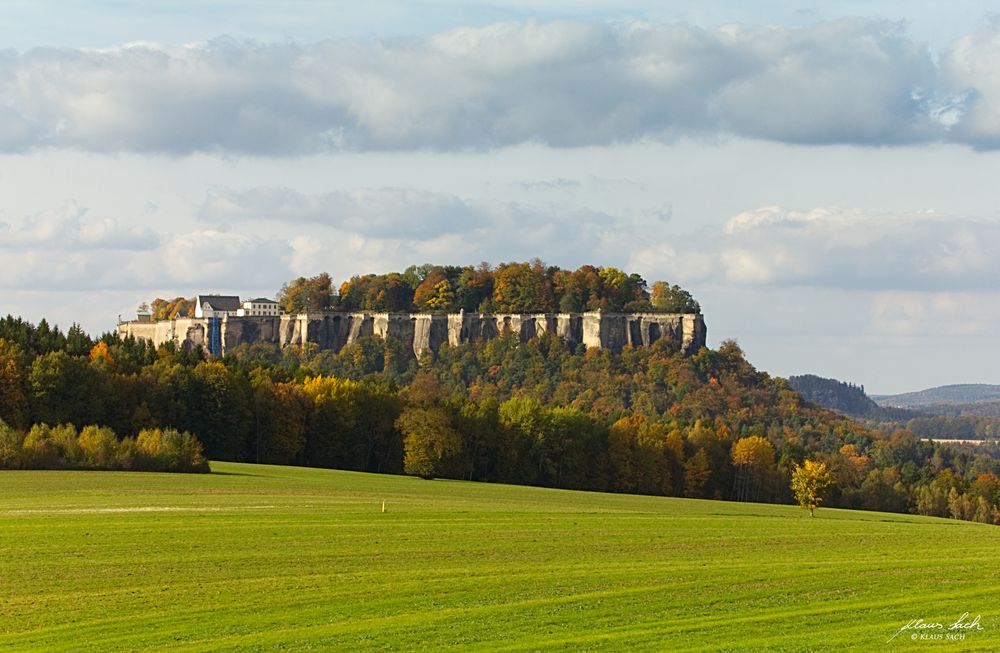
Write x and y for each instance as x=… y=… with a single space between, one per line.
x=529 y=287
x=539 y=413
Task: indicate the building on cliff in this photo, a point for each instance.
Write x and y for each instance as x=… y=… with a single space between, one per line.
x=209 y=306
x=223 y=330
x=260 y=307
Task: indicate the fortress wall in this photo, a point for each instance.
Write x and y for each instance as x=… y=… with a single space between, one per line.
x=426 y=331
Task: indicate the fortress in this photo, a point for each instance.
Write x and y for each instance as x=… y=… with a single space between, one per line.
x=421 y=332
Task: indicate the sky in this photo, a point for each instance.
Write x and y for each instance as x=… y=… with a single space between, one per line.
x=822 y=179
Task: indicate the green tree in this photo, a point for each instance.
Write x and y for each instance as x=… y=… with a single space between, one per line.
x=666 y=298
x=219 y=410
x=64 y=389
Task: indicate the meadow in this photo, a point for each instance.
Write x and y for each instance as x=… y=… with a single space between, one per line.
x=266 y=558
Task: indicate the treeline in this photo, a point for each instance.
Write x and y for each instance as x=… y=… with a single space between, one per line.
x=961 y=427
x=507 y=288
x=647 y=420
x=96 y=447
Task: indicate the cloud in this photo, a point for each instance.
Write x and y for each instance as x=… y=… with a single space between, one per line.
x=971 y=70
x=564 y=84
x=502 y=231
x=406 y=225
x=911 y=314
x=66 y=249
x=839 y=248
x=212 y=258
x=385 y=212
x=69 y=227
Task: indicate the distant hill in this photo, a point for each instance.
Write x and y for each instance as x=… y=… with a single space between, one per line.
x=831 y=393
x=844 y=397
x=964 y=393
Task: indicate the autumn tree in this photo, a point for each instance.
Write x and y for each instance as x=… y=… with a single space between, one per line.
x=332 y=423
x=809 y=483
x=168 y=309
x=696 y=474
x=307 y=294
x=754 y=461
x=523 y=288
x=13 y=390
x=431 y=445
x=10 y=447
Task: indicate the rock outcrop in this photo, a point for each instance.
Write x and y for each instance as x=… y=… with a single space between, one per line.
x=421 y=332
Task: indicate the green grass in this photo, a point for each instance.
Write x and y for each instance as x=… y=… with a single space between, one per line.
x=276 y=558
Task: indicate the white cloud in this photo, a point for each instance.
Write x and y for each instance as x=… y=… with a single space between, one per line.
x=842 y=248
x=212 y=258
x=971 y=70
x=377 y=229
x=70 y=227
x=952 y=314
x=66 y=249
x=565 y=84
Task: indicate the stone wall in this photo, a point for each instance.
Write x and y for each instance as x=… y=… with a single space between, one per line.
x=426 y=331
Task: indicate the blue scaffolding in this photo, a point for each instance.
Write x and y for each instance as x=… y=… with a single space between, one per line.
x=215 y=336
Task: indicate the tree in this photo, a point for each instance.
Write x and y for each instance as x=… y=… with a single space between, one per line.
x=809 y=483
x=65 y=389
x=431 y=445
x=13 y=395
x=219 y=410
x=10 y=447
x=754 y=458
x=672 y=299
x=168 y=309
x=696 y=474
x=307 y=295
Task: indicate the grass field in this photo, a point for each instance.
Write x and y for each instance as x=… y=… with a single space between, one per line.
x=277 y=558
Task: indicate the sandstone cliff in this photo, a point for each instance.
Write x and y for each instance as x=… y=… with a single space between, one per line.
x=425 y=331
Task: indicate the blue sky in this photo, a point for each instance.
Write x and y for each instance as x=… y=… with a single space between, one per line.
x=821 y=177
x=98 y=23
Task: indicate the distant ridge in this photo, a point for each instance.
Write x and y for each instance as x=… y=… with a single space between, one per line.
x=962 y=393
x=845 y=398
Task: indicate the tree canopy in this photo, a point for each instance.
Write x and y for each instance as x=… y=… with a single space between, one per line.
x=529 y=287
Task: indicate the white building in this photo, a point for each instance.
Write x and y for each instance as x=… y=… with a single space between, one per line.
x=216 y=305
x=259 y=307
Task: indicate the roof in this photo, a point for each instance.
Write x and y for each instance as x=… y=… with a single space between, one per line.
x=220 y=302
x=262 y=300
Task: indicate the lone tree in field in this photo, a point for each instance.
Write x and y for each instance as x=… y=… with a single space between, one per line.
x=809 y=483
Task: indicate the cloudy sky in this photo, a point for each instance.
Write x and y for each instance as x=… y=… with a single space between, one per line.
x=823 y=180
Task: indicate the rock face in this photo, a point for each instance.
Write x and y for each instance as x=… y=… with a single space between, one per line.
x=426 y=331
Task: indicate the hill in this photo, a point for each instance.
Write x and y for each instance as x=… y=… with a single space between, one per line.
x=836 y=395
x=844 y=398
x=965 y=393
x=265 y=557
